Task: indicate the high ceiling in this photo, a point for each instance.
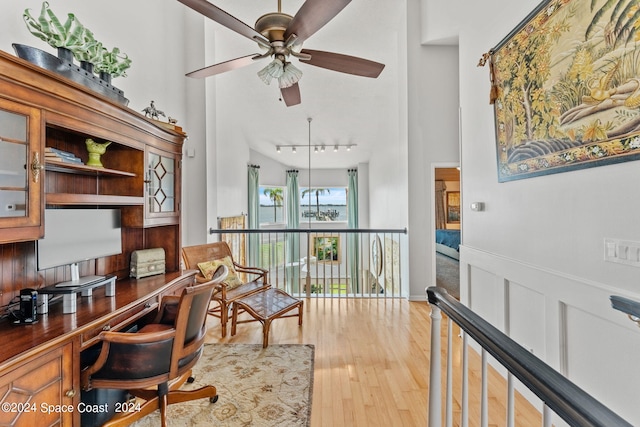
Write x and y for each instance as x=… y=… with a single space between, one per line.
x=344 y=109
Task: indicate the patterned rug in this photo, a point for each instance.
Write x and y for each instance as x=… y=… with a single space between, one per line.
x=256 y=387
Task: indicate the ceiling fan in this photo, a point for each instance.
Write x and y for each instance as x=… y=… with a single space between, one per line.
x=282 y=35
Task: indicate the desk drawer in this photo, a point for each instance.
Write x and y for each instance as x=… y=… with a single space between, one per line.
x=120 y=321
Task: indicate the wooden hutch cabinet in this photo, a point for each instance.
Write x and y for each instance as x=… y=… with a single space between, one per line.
x=41 y=111
x=21 y=166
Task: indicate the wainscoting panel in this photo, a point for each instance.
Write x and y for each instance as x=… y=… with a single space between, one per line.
x=531 y=309
x=601 y=353
x=484 y=293
x=567 y=321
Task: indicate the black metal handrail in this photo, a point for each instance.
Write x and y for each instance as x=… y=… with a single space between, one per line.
x=566 y=399
x=309 y=230
x=626 y=305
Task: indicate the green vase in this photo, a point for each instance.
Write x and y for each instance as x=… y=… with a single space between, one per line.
x=95 y=150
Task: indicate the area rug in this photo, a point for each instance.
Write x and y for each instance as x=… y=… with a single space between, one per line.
x=448 y=274
x=256 y=387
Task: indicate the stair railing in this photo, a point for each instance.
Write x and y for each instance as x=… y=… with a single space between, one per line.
x=557 y=393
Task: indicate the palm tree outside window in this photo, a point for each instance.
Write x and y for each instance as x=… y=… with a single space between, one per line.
x=272 y=202
x=330 y=204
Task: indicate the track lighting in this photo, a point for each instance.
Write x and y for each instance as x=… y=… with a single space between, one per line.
x=316 y=148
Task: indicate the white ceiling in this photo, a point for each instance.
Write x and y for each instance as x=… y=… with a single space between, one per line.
x=345 y=109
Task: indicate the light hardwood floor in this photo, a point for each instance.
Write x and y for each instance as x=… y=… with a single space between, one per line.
x=372 y=363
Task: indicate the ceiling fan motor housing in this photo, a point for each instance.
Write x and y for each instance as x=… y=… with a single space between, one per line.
x=273 y=25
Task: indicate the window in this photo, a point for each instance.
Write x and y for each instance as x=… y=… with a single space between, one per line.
x=272 y=202
x=323 y=204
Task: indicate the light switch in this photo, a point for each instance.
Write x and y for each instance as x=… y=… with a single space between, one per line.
x=622 y=251
x=477 y=206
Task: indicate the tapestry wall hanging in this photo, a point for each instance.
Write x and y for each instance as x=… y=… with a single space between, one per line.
x=566 y=88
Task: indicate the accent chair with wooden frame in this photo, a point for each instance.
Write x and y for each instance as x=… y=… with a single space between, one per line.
x=154 y=362
x=225 y=295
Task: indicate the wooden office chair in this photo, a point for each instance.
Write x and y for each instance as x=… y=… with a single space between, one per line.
x=155 y=361
x=225 y=294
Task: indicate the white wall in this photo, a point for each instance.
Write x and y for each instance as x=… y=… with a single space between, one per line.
x=156 y=52
x=196 y=176
x=433 y=138
x=532 y=262
x=440 y=21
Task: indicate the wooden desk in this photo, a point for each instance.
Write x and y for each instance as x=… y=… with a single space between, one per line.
x=40 y=363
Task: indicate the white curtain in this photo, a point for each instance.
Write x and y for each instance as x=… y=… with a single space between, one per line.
x=254 y=215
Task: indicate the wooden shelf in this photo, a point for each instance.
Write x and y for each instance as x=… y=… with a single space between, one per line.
x=80 y=169
x=92 y=199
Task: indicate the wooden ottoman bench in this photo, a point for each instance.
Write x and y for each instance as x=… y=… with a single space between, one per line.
x=265 y=307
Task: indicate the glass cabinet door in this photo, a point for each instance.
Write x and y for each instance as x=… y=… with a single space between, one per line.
x=20 y=171
x=162 y=185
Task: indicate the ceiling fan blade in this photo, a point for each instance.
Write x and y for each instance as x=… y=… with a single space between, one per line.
x=312 y=16
x=223 y=67
x=343 y=63
x=221 y=17
x=291 y=95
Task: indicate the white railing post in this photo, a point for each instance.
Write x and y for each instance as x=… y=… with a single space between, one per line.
x=435 y=374
x=510 y=401
x=546 y=416
x=484 y=397
x=464 y=410
x=448 y=420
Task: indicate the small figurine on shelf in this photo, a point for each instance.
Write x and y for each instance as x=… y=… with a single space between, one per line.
x=153 y=112
x=95 y=150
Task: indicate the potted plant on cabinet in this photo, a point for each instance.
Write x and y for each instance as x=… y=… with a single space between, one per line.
x=47 y=27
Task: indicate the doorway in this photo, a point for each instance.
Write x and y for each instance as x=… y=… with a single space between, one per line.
x=446 y=227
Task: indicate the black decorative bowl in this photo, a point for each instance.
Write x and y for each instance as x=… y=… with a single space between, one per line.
x=69 y=70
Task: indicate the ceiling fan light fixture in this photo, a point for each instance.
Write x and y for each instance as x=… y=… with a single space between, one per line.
x=274 y=70
x=290 y=76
